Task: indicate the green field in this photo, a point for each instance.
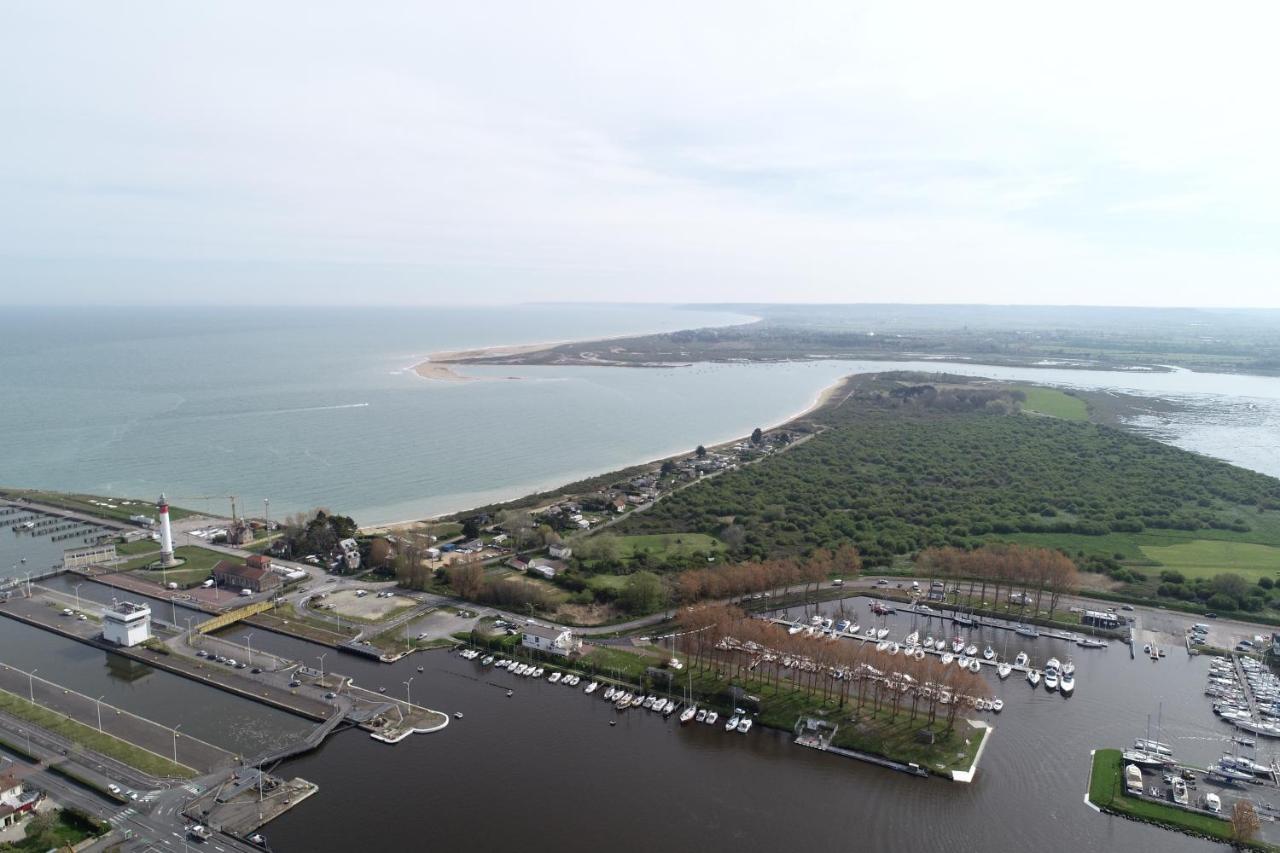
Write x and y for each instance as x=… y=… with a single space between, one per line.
x=1050 y=401
x=198 y=566
x=668 y=544
x=1206 y=558
x=141 y=546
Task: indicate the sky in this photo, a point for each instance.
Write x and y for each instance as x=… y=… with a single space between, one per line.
x=491 y=152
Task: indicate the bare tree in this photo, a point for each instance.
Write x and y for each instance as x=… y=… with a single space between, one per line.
x=1244 y=821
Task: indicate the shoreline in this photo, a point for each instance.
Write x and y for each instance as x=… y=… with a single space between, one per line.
x=822 y=398
x=434 y=366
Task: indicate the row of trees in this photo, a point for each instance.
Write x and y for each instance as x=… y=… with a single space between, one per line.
x=724 y=639
x=1033 y=572
x=738 y=579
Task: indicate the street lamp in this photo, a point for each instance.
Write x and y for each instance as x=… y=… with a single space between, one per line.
x=248 y=644
x=322 y=667
x=31 y=684
x=99 y=701
x=78 y=597
x=175 y=742
x=408 y=700
x=173 y=610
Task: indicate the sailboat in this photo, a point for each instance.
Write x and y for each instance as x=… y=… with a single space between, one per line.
x=1003 y=669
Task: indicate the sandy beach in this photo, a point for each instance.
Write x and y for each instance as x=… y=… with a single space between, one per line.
x=441 y=372
x=437 y=364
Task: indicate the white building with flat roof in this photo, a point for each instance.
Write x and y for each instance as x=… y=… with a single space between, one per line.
x=126 y=623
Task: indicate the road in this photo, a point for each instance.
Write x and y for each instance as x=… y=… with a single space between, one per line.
x=153 y=821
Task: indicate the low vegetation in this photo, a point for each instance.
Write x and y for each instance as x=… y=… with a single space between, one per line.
x=116 y=509
x=902 y=466
x=197 y=565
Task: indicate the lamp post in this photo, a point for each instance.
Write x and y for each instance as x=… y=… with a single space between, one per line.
x=175 y=742
x=248 y=644
x=322 y=667
x=99 y=701
x=173 y=610
x=407 y=698
x=78 y=597
x=31 y=684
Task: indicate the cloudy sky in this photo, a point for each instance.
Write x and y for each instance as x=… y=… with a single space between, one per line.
x=1117 y=153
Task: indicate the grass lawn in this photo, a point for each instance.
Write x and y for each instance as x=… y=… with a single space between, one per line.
x=91 y=738
x=668 y=544
x=614 y=582
x=1206 y=558
x=198 y=566
x=1106 y=791
x=626 y=665
x=134 y=549
x=1058 y=404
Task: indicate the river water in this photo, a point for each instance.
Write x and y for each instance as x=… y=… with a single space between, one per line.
x=544 y=770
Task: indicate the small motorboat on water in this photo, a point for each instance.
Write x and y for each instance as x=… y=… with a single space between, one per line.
x=1026 y=631
x=712 y=716
x=733 y=723
x=947 y=658
x=419 y=669
x=744 y=725
x=701 y=715
x=554 y=677
x=1021 y=660
x=1067 y=683
x=997 y=705
x=971 y=651
x=1033 y=676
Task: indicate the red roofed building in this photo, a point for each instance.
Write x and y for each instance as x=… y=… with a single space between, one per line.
x=239 y=576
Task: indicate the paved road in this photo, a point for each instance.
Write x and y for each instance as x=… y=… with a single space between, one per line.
x=153 y=821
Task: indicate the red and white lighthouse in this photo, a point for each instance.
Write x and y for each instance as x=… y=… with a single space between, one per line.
x=166 y=535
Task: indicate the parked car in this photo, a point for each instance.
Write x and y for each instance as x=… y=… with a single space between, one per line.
x=1126 y=607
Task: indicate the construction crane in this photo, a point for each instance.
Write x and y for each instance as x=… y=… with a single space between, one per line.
x=232 y=498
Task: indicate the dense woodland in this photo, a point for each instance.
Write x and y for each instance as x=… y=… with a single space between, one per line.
x=900 y=466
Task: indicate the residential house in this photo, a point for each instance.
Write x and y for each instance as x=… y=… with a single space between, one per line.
x=15 y=801
x=350 y=554
x=520 y=564
x=560 y=551
x=556 y=641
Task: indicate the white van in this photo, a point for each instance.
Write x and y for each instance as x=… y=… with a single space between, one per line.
x=208 y=583
x=246 y=592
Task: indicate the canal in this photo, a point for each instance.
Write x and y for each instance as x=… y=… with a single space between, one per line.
x=544 y=770
x=231 y=722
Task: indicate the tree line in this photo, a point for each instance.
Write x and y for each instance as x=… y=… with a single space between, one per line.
x=1031 y=572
